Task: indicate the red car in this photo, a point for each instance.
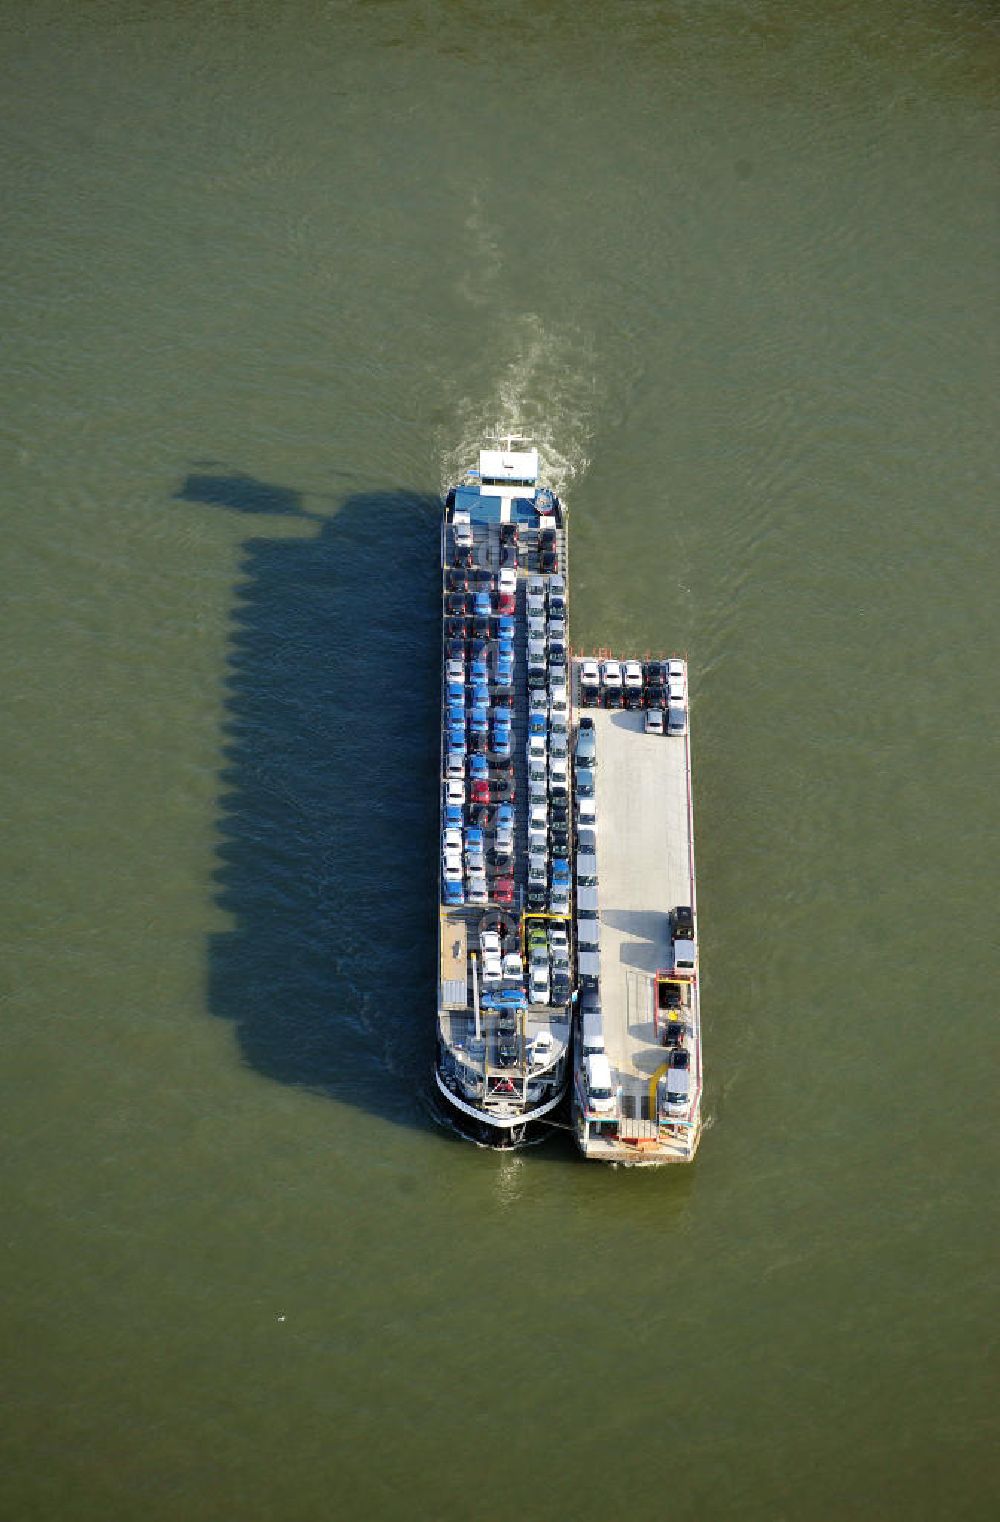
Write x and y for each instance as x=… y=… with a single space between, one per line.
x=480 y=791
x=503 y=890
x=505 y=603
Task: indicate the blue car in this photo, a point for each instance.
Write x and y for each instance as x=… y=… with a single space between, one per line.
x=456 y=694
x=537 y=724
x=505 y=647
x=479 y=722
x=479 y=673
x=479 y=769
x=505 y=816
x=505 y=628
x=453 y=816
x=481 y=605
x=456 y=736
x=560 y=873
x=480 y=697
x=503 y=715
x=501 y=741
x=454 y=894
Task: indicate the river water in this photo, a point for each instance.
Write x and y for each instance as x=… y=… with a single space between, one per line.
x=271 y=274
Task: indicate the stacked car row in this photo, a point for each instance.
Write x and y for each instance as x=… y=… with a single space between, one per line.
x=547 y=748
x=549 y=978
x=478 y=718
x=588 y=924
x=637 y=684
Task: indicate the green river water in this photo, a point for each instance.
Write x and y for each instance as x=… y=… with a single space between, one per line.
x=271 y=273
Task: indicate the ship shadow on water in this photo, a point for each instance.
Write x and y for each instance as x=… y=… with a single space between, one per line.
x=327 y=814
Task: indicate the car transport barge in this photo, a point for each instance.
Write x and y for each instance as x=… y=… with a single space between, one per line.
x=504 y=1025
x=567 y=929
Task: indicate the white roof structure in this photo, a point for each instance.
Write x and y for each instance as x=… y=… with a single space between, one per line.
x=503 y=465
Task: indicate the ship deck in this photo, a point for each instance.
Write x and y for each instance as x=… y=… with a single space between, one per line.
x=646 y=868
x=459 y=927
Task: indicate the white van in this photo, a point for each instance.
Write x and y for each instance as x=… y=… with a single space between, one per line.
x=588 y=966
x=592 y=1033
x=586 y=840
x=597 y=1076
x=674 y=1092
x=462 y=527
x=586 y=870
x=588 y=935
x=684 y=956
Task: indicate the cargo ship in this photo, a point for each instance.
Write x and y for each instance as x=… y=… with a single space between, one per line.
x=567 y=990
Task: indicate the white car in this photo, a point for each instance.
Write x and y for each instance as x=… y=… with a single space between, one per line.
x=455 y=765
x=475 y=861
x=461 y=525
x=633 y=676
x=559 y=775
x=676 y=670
x=586 y=812
x=505 y=837
x=538 y=790
x=452 y=841
x=677 y=690
x=489 y=943
x=542 y=1047
x=558 y=700
x=654 y=721
x=536 y=597
x=537 y=749
x=475 y=888
x=558 y=940
x=455 y=793
x=590 y=674
x=492 y=970
x=558 y=724
x=507 y=581
x=538 y=700
x=557 y=586
x=559 y=899
x=456 y=669
x=557 y=631
x=538 y=819
x=677 y=719
x=513 y=969
x=558 y=747
x=612 y=675
x=536 y=629
x=539 y=989
x=452 y=867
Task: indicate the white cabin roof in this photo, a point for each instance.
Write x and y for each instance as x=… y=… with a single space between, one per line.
x=502 y=465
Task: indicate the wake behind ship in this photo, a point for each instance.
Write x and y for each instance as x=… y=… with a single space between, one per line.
x=551 y=967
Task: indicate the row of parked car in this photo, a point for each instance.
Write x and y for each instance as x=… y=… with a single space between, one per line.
x=660 y=685
x=478 y=779
x=549 y=975
x=549 y=879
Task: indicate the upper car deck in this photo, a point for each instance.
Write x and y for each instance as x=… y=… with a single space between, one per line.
x=459 y=927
